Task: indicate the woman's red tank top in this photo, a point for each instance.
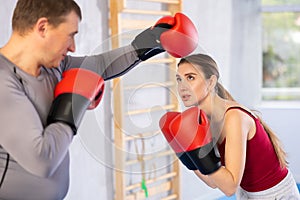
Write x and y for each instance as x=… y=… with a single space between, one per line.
x=262 y=167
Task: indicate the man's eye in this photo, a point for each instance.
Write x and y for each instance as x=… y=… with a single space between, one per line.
x=178 y=79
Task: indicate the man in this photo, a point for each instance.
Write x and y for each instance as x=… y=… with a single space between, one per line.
x=34 y=65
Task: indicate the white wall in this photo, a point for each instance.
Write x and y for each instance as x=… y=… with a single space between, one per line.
x=6 y=11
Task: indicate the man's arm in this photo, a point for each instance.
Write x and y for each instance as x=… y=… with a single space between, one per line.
x=37 y=149
x=167 y=34
x=109 y=65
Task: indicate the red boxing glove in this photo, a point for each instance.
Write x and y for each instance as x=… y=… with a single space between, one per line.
x=164 y=124
x=83 y=82
x=182 y=38
x=79 y=90
x=177 y=35
x=183 y=130
x=188 y=133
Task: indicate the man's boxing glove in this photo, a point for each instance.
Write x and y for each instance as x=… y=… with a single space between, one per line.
x=79 y=90
x=177 y=35
x=188 y=133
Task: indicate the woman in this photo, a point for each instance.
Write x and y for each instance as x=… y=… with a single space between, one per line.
x=34 y=151
x=253 y=162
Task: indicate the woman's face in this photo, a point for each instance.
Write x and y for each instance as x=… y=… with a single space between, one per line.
x=193 y=88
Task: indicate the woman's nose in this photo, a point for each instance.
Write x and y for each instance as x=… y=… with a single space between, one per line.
x=182 y=86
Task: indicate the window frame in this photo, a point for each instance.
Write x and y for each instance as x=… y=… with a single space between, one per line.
x=270 y=91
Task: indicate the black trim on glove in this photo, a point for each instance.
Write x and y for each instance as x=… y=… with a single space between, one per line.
x=206 y=159
x=147 y=44
x=68 y=108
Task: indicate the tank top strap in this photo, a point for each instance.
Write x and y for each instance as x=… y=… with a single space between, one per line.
x=243 y=110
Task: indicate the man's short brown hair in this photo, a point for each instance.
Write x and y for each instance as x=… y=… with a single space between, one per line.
x=27 y=13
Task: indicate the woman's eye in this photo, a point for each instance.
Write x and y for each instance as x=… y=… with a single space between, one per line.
x=190 y=78
x=178 y=79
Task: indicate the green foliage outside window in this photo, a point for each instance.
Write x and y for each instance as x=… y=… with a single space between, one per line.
x=280 y=2
x=281 y=49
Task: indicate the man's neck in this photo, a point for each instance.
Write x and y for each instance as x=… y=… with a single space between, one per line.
x=19 y=51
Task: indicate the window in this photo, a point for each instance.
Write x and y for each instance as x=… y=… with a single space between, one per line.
x=281 y=49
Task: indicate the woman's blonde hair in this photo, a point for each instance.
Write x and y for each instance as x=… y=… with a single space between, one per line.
x=209 y=67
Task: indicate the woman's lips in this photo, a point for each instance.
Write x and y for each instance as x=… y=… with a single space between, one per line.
x=185 y=97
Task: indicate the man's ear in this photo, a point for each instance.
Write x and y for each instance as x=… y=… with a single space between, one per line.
x=42 y=26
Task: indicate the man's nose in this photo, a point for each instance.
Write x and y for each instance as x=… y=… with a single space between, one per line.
x=72 y=47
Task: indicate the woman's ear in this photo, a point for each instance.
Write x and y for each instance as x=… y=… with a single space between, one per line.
x=212 y=82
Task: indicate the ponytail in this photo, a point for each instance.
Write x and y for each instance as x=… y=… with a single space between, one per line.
x=281 y=154
x=223 y=93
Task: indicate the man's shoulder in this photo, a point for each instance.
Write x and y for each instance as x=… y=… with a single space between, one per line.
x=7 y=76
x=5 y=67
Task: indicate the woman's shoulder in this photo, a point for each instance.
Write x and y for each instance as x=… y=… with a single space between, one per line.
x=240 y=118
x=236 y=109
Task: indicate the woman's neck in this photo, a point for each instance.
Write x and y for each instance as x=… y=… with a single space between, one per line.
x=214 y=107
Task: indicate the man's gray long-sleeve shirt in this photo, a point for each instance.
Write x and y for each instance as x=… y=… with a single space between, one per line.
x=38 y=167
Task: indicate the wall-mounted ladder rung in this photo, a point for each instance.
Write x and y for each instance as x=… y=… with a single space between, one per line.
x=160 y=1
x=150 y=85
x=147 y=110
x=147 y=12
x=152 y=191
x=161 y=60
x=141 y=136
x=133 y=24
x=173 y=196
x=150 y=181
x=161 y=154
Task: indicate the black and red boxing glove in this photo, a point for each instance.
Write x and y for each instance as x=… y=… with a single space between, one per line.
x=79 y=90
x=177 y=35
x=188 y=133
